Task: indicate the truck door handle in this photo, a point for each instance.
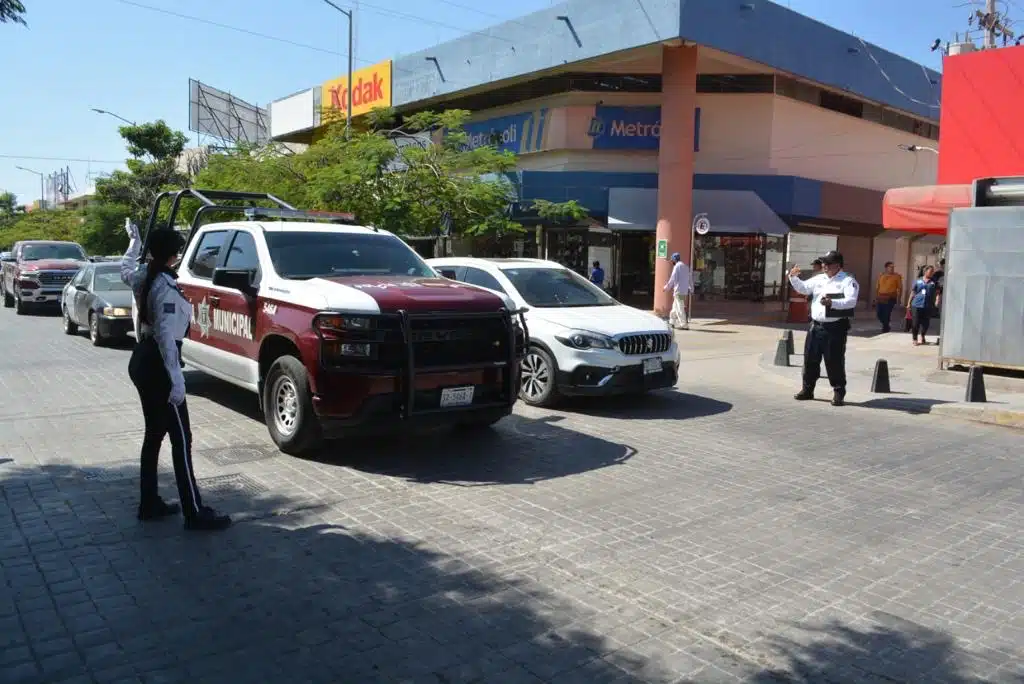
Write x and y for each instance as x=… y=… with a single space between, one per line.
x=215 y=300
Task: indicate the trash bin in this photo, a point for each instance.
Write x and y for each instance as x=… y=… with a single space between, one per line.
x=799 y=311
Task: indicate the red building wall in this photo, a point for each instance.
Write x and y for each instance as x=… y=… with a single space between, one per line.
x=981 y=124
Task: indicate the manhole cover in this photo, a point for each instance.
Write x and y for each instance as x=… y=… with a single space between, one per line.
x=235 y=484
x=235 y=455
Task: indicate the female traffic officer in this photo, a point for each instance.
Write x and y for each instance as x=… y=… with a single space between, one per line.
x=155 y=370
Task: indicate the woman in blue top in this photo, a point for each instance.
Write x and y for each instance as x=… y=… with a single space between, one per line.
x=923 y=300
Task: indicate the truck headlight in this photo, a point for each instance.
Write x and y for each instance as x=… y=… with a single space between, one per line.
x=579 y=339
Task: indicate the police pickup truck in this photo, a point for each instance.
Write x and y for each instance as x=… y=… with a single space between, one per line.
x=340 y=328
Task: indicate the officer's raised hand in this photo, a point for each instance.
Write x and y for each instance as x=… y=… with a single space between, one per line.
x=131 y=229
x=794 y=272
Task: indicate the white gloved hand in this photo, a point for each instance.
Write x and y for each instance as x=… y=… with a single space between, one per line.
x=177 y=394
x=131 y=229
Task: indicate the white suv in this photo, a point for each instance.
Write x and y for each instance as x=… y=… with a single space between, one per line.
x=582 y=342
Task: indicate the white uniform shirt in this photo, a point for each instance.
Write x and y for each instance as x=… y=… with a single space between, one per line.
x=843 y=288
x=680 y=280
x=170 y=313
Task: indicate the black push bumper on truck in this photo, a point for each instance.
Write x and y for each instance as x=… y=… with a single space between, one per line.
x=423 y=350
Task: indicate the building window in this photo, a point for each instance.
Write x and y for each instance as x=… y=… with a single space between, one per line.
x=736 y=83
x=841 y=104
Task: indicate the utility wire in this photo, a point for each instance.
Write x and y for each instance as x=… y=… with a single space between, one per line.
x=22 y=157
x=885 y=75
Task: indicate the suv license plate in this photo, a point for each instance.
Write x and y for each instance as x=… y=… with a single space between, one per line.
x=457 y=396
x=652 y=366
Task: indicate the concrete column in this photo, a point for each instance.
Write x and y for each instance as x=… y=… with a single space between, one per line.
x=675 y=163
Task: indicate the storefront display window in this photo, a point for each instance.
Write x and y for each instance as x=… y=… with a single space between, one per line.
x=738 y=267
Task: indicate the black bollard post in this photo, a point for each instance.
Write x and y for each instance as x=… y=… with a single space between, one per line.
x=781 y=353
x=880 y=380
x=788 y=337
x=976 y=385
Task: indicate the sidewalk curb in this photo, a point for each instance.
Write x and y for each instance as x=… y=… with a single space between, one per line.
x=981 y=414
x=988 y=414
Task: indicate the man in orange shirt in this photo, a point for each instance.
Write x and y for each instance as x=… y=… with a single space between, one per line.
x=887 y=293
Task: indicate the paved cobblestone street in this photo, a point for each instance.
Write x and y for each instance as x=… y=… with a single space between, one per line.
x=720 y=533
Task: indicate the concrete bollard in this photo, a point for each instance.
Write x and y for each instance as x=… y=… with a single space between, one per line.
x=976 y=385
x=880 y=379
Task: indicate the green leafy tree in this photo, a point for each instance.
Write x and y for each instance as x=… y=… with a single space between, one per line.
x=12 y=11
x=560 y=213
x=44 y=224
x=154 y=166
x=8 y=205
x=102 y=231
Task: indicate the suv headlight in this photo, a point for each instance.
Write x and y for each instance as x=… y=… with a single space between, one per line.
x=579 y=339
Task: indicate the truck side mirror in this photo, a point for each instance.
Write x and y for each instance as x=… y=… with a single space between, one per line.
x=234 y=278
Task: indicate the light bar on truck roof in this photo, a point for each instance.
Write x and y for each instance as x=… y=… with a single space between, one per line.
x=258 y=213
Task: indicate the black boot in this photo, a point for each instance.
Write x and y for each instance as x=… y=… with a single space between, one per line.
x=207 y=519
x=804 y=395
x=156 y=509
x=839 y=397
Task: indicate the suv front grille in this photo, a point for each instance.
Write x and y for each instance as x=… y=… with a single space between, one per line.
x=651 y=343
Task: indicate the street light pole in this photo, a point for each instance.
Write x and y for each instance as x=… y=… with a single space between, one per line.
x=116 y=116
x=348 y=98
x=42 y=185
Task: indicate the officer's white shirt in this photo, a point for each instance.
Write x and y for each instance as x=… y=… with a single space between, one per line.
x=169 y=312
x=843 y=284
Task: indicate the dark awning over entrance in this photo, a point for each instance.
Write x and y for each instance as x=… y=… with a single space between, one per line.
x=728 y=211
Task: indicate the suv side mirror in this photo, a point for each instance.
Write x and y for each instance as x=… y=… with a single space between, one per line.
x=235 y=278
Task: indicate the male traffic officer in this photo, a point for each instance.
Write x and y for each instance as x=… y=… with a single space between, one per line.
x=834 y=297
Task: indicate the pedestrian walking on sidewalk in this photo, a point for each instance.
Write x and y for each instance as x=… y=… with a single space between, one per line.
x=834 y=297
x=155 y=369
x=681 y=283
x=923 y=300
x=887 y=294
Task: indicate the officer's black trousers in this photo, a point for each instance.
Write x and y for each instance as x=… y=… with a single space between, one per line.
x=150 y=378
x=826 y=341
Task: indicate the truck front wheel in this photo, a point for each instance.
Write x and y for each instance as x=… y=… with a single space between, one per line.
x=288 y=407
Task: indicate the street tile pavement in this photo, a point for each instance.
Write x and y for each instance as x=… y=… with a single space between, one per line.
x=719 y=533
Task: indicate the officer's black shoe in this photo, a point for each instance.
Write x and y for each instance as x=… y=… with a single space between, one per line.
x=157 y=509
x=839 y=397
x=207 y=519
x=804 y=395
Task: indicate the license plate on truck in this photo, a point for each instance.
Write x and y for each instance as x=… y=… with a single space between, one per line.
x=652 y=366
x=456 y=396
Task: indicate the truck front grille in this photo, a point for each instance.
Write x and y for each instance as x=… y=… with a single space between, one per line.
x=55 y=277
x=650 y=343
x=439 y=342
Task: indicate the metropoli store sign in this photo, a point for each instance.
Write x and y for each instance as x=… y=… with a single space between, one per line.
x=371 y=88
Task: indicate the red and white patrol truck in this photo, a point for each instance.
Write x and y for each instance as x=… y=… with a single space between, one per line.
x=339 y=328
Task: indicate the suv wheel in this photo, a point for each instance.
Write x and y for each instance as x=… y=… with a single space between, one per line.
x=288 y=407
x=20 y=307
x=69 y=326
x=537 y=379
x=8 y=299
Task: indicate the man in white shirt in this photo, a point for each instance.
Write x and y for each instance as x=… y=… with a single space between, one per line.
x=681 y=282
x=834 y=296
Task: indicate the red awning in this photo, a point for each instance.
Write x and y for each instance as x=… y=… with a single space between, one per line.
x=923 y=209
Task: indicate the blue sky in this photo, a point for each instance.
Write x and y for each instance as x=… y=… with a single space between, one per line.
x=118 y=56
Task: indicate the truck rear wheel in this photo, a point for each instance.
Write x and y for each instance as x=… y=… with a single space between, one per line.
x=288 y=407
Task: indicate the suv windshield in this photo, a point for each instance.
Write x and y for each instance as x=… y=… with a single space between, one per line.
x=108 y=280
x=549 y=288
x=53 y=251
x=300 y=255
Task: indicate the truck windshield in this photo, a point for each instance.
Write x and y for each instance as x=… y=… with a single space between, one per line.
x=300 y=255
x=52 y=251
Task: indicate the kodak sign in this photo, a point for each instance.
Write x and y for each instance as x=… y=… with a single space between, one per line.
x=371 y=88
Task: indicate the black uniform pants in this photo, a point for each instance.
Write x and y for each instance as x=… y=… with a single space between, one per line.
x=150 y=378
x=826 y=341
x=921 y=320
